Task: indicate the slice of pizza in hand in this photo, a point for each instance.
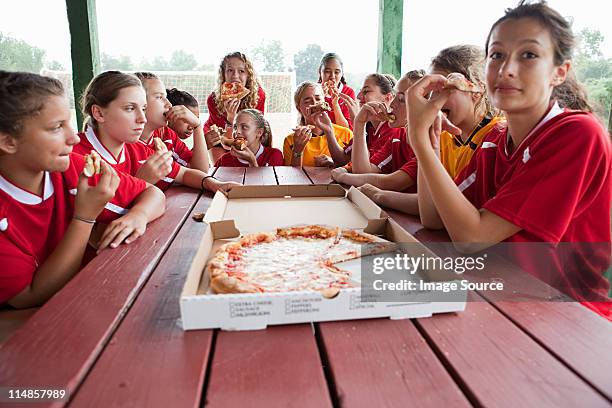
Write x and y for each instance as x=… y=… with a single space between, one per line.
x=92 y=164
x=240 y=143
x=329 y=88
x=233 y=90
x=160 y=146
x=460 y=82
x=319 y=107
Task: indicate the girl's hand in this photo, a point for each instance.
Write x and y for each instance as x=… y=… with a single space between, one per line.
x=157 y=166
x=213 y=137
x=323 y=161
x=90 y=200
x=352 y=105
x=226 y=142
x=231 y=109
x=371 y=191
x=128 y=228
x=215 y=185
x=338 y=173
x=372 y=111
x=181 y=113
x=301 y=137
x=245 y=154
x=422 y=110
x=323 y=122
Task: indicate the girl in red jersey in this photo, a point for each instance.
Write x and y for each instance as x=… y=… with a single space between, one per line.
x=48 y=207
x=331 y=71
x=178 y=97
x=234 y=67
x=545 y=177
x=115 y=105
x=251 y=126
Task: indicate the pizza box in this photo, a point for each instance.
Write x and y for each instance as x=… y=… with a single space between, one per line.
x=251 y=209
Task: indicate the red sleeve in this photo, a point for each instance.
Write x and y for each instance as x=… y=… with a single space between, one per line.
x=223 y=160
x=410 y=168
x=261 y=100
x=276 y=158
x=180 y=152
x=17 y=271
x=566 y=168
x=382 y=156
x=347 y=90
x=214 y=117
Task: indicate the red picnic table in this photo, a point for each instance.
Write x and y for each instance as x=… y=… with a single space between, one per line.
x=112 y=337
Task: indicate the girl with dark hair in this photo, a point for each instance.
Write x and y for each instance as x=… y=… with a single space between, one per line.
x=234 y=67
x=545 y=176
x=48 y=207
x=331 y=71
x=251 y=125
x=183 y=129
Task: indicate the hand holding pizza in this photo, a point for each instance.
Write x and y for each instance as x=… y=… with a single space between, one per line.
x=181 y=113
x=90 y=200
x=301 y=137
x=157 y=166
x=352 y=104
x=323 y=122
x=213 y=136
x=372 y=111
x=245 y=154
x=231 y=109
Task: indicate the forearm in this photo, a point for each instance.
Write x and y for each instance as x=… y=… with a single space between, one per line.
x=397 y=181
x=63 y=263
x=339 y=116
x=404 y=202
x=199 y=159
x=296 y=161
x=151 y=203
x=190 y=177
x=360 y=156
x=427 y=209
x=337 y=153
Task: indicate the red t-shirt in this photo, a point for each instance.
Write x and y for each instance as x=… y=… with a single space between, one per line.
x=556 y=186
x=216 y=118
x=396 y=154
x=347 y=90
x=376 y=138
x=266 y=156
x=130 y=159
x=180 y=151
x=32 y=226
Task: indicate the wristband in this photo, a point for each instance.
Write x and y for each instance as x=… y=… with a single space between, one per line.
x=85 y=220
x=297 y=155
x=203 y=180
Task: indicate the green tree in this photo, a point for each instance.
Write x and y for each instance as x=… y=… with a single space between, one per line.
x=17 y=55
x=271 y=56
x=110 y=62
x=306 y=63
x=182 y=61
x=56 y=66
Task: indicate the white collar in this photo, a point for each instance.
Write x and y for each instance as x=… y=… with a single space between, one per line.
x=380 y=125
x=555 y=110
x=99 y=147
x=340 y=87
x=259 y=152
x=25 y=197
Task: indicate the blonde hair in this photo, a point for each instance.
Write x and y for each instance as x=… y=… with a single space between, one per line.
x=298 y=95
x=249 y=101
x=260 y=123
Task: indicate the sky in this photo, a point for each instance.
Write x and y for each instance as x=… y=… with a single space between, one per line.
x=144 y=29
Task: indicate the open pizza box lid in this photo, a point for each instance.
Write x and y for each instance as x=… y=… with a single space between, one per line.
x=251 y=209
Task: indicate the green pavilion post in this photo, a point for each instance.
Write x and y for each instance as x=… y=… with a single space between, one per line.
x=390 y=20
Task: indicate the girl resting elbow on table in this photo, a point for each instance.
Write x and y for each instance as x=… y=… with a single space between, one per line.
x=471 y=113
x=394 y=165
x=315 y=139
x=252 y=131
x=338 y=94
x=544 y=177
x=48 y=207
x=234 y=67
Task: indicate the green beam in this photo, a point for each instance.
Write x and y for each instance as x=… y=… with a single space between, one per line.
x=390 y=20
x=83 y=47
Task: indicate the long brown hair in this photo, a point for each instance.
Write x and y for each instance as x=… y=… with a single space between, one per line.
x=467 y=60
x=22 y=95
x=571 y=93
x=104 y=89
x=260 y=123
x=252 y=84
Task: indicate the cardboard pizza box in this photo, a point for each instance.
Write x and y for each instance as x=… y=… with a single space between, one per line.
x=251 y=209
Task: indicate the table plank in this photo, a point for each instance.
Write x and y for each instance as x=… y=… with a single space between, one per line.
x=60 y=343
x=383 y=362
x=150 y=359
x=230 y=174
x=260 y=176
x=319 y=175
x=291 y=175
x=276 y=367
x=499 y=365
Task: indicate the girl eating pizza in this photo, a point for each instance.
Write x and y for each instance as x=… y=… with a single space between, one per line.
x=337 y=93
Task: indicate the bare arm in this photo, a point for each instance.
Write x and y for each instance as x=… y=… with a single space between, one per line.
x=396 y=181
x=199 y=158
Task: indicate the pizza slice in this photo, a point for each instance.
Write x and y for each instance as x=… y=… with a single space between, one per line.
x=389 y=117
x=319 y=107
x=329 y=88
x=233 y=90
x=160 y=146
x=240 y=143
x=460 y=82
x=92 y=164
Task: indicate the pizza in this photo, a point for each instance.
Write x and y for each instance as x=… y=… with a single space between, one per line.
x=319 y=107
x=460 y=82
x=330 y=89
x=300 y=258
x=160 y=146
x=389 y=116
x=92 y=164
x=233 y=90
x=220 y=131
x=240 y=143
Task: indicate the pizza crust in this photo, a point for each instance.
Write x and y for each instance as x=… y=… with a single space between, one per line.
x=460 y=82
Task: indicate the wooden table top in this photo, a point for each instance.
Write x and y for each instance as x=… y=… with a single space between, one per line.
x=112 y=337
